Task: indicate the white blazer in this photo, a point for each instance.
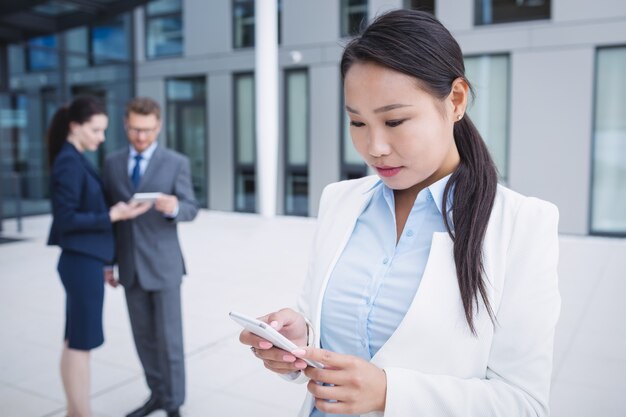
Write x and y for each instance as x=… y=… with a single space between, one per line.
x=435 y=367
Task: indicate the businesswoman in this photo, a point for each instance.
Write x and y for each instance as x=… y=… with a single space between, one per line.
x=432 y=290
x=81 y=226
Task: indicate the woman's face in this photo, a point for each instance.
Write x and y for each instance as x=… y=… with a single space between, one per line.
x=399 y=129
x=89 y=135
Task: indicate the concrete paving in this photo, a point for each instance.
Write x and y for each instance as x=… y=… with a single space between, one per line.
x=255 y=265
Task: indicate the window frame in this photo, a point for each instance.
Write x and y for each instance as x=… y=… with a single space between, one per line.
x=590 y=229
x=279 y=11
x=240 y=168
x=345 y=32
x=147 y=17
x=296 y=169
x=503 y=177
x=527 y=17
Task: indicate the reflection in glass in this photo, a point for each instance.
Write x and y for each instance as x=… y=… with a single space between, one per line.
x=163 y=6
x=423 y=5
x=245 y=160
x=487 y=12
x=243 y=23
x=296 y=143
x=109 y=42
x=23 y=166
x=186 y=128
x=77 y=44
x=353 y=16
x=489 y=75
x=42 y=53
x=608 y=204
x=164 y=28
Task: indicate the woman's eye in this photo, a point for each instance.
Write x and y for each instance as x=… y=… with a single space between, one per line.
x=394 y=123
x=356 y=124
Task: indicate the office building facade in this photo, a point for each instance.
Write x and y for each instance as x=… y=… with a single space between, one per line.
x=548 y=74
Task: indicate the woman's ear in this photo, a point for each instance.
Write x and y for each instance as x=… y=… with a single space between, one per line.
x=458 y=98
x=73 y=126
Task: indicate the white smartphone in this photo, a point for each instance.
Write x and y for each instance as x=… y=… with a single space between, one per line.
x=144 y=197
x=268 y=333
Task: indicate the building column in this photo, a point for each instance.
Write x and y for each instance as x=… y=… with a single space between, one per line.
x=266 y=103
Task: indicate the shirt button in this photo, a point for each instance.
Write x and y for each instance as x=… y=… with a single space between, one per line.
x=430 y=197
x=409 y=233
x=385 y=261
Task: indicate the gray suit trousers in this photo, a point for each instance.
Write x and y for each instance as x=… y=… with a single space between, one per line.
x=156 y=321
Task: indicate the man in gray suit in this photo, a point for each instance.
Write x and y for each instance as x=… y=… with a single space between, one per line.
x=148 y=253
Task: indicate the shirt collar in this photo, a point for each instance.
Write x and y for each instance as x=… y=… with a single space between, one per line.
x=435 y=189
x=147 y=154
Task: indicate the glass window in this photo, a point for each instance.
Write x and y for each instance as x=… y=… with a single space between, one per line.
x=109 y=43
x=487 y=12
x=352 y=165
x=353 y=16
x=245 y=150
x=24 y=165
x=186 y=127
x=423 y=5
x=243 y=23
x=77 y=44
x=43 y=53
x=297 y=142
x=608 y=197
x=164 y=28
x=489 y=75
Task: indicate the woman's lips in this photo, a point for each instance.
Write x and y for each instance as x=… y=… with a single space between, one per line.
x=388 y=171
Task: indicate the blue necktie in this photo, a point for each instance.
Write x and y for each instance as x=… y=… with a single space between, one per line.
x=135 y=176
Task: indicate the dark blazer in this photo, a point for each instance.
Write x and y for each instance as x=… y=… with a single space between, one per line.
x=148 y=245
x=80 y=213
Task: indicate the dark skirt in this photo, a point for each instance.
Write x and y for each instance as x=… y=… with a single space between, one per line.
x=83 y=279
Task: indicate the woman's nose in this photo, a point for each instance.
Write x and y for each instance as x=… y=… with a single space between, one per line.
x=378 y=144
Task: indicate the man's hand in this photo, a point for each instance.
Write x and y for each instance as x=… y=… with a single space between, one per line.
x=166 y=204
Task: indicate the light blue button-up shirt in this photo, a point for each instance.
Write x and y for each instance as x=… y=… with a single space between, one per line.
x=145 y=158
x=375 y=279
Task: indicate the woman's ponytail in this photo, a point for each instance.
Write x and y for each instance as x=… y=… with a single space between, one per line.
x=57 y=132
x=475 y=182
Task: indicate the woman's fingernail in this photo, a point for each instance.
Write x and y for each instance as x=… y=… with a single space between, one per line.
x=289 y=358
x=300 y=364
x=265 y=345
x=274 y=324
x=298 y=352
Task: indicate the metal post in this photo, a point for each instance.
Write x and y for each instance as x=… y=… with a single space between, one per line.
x=266 y=98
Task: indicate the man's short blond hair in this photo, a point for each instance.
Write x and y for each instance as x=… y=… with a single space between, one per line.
x=144 y=106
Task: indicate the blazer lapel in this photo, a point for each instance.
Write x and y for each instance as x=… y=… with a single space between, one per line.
x=90 y=169
x=153 y=164
x=345 y=216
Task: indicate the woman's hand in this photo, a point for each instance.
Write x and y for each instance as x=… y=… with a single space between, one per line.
x=355 y=385
x=293 y=326
x=124 y=211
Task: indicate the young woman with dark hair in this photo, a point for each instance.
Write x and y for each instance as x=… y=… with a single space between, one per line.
x=432 y=290
x=82 y=227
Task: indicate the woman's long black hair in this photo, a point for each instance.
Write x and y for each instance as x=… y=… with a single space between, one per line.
x=80 y=110
x=417 y=44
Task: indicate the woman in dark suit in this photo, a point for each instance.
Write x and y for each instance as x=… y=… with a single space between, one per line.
x=82 y=227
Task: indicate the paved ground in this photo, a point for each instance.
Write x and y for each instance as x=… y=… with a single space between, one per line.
x=254 y=265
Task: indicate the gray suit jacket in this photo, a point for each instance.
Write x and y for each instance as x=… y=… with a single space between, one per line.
x=148 y=247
